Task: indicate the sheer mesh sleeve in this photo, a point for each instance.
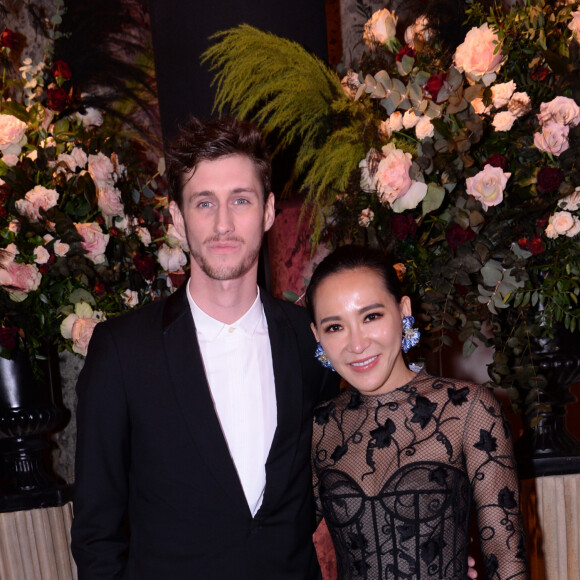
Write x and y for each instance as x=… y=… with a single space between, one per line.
x=492 y=473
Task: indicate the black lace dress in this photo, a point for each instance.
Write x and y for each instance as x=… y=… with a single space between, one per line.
x=396 y=477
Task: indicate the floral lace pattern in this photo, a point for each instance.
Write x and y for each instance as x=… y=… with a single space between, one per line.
x=396 y=477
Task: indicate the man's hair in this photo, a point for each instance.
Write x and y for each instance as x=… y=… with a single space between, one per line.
x=199 y=141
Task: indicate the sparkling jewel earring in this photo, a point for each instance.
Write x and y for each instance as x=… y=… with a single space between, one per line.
x=411 y=335
x=322 y=357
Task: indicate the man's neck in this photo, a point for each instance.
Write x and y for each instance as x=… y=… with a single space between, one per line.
x=224 y=300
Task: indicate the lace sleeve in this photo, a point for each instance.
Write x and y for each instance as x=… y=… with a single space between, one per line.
x=492 y=472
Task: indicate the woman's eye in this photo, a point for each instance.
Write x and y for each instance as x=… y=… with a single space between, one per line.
x=373 y=316
x=333 y=328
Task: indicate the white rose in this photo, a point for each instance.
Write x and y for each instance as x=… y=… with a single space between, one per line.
x=501 y=94
x=571 y=202
x=410 y=119
x=131 y=298
x=101 y=170
x=503 y=121
x=36 y=199
x=519 y=104
x=60 y=248
x=574 y=25
x=350 y=84
x=144 y=235
x=91 y=118
x=381 y=28
x=553 y=138
x=424 y=128
x=175 y=239
x=171 y=259
x=414 y=196
x=41 y=255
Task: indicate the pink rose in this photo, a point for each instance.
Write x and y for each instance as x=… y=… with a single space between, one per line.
x=131 y=298
x=365 y=217
x=488 y=186
x=501 y=94
x=79 y=326
x=503 y=121
x=477 y=56
x=101 y=169
x=171 y=259
x=17 y=277
x=561 y=110
x=94 y=241
x=11 y=132
x=553 y=138
x=392 y=178
x=36 y=199
x=479 y=108
x=562 y=222
x=574 y=25
x=60 y=248
x=381 y=28
x=109 y=201
x=41 y=255
x=414 y=196
x=396 y=121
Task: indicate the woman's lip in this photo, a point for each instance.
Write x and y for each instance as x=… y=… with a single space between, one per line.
x=364 y=364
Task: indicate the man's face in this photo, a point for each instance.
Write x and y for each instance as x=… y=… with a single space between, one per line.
x=224 y=216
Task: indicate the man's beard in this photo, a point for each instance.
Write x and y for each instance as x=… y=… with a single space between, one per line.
x=227 y=271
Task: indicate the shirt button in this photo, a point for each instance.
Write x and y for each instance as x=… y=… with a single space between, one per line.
x=231 y=329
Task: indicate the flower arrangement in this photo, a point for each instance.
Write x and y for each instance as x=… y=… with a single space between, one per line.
x=83 y=234
x=462 y=161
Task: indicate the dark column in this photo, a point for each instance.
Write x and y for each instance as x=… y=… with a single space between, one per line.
x=181 y=29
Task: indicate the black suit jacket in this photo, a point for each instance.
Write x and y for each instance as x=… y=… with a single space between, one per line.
x=150 y=446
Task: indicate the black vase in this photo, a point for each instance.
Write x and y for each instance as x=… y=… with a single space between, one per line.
x=546 y=446
x=29 y=412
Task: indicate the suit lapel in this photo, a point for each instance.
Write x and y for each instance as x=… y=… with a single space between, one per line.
x=191 y=388
x=289 y=394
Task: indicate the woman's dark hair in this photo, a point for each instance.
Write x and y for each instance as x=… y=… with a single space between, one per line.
x=353 y=257
x=199 y=141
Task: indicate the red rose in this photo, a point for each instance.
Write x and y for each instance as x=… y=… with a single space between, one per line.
x=457 y=236
x=56 y=99
x=61 y=70
x=523 y=243
x=8 y=337
x=496 y=160
x=405 y=50
x=99 y=288
x=536 y=246
x=542 y=222
x=540 y=73
x=114 y=232
x=549 y=179
x=3 y=211
x=403 y=226
x=145 y=265
x=9 y=38
x=434 y=84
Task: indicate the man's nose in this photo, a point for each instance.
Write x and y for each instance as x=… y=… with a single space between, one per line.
x=224 y=222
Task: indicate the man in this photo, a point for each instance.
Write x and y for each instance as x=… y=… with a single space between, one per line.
x=194 y=414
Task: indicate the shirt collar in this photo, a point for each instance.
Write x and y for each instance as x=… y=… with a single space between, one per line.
x=211 y=328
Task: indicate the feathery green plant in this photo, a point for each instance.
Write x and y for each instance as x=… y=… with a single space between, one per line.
x=294 y=96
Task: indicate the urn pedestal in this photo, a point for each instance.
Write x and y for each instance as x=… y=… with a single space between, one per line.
x=29 y=411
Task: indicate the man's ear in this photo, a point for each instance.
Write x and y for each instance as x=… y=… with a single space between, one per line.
x=269 y=212
x=314 y=332
x=177 y=218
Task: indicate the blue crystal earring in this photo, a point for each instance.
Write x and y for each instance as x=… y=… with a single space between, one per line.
x=323 y=357
x=411 y=335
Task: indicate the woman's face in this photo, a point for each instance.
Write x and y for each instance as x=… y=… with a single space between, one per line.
x=359 y=324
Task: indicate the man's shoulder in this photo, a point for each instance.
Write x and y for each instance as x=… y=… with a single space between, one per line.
x=294 y=312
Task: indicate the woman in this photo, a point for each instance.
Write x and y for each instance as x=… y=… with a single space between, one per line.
x=400 y=460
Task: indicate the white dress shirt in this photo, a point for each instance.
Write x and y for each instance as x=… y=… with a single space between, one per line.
x=238 y=364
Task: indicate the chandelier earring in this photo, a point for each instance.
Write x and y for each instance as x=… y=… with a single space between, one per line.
x=411 y=335
x=323 y=357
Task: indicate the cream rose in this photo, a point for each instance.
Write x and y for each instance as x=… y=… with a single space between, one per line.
x=79 y=327
x=562 y=222
x=392 y=179
x=553 y=138
x=171 y=259
x=502 y=93
x=41 y=255
x=36 y=199
x=574 y=25
x=131 y=298
x=503 y=121
x=368 y=167
x=396 y=121
x=519 y=104
x=410 y=119
x=419 y=29
x=477 y=56
x=60 y=248
x=175 y=239
x=488 y=186
x=94 y=241
x=381 y=28
x=101 y=170
x=479 y=107
x=109 y=201
x=414 y=196
x=575 y=229
x=551 y=232
x=561 y=110
x=11 y=134
x=365 y=217
x=385 y=128
x=424 y=128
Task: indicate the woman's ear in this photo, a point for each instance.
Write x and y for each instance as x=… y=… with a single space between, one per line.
x=313 y=328
x=405 y=306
